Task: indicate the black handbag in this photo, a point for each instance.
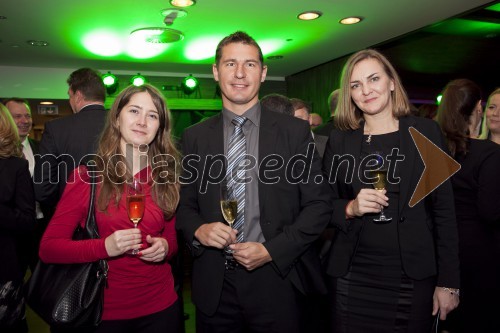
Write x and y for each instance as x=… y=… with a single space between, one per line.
x=11 y=303
x=70 y=295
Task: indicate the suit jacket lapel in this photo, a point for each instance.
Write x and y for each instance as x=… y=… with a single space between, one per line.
x=267 y=140
x=407 y=167
x=215 y=137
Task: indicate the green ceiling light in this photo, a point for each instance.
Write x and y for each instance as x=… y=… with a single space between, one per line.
x=110 y=82
x=103 y=43
x=182 y=3
x=351 y=20
x=438 y=99
x=197 y=49
x=138 y=80
x=309 y=15
x=189 y=85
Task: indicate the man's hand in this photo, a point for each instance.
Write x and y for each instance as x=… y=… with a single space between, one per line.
x=215 y=234
x=250 y=255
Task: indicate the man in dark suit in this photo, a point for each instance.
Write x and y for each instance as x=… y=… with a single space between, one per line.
x=67 y=140
x=21 y=113
x=325 y=129
x=302 y=111
x=260 y=287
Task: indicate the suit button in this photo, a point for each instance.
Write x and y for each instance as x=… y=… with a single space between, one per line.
x=402 y=219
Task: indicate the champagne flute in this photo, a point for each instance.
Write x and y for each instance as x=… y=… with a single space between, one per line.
x=135 y=205
x=380 y=175
x=228 y=205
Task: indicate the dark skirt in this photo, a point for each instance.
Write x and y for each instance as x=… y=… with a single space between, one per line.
x=371 y=300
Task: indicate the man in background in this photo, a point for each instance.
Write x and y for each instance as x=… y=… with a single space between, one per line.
x=277 y=103
x=330 y=124
x=302 y=111
x=65 y=141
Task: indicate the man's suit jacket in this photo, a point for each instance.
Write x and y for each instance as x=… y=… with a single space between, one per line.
x=427 y=232
x=65 y=141
x=291 y=215
x=320 y=141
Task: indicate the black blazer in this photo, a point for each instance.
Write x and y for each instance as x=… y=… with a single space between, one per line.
x=17 y=211
x=427 y=232
x=291 y=215
x=64 y=143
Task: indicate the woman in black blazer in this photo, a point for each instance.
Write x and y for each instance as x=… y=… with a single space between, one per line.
x=17 y=212
x=477 y=201
x=385 y=276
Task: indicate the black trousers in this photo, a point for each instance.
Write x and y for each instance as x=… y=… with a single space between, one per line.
x=256 y=301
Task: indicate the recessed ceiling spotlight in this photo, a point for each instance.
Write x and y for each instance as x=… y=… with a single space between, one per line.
x=351 y=20
x=275 y=57
x=309 y=15
x=37 y=43
x=182 y=3
x=46 y=103
x=158 y=35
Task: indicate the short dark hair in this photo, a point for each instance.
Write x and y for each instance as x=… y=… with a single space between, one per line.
x=237 y=37
x=277 y=103
x=89 y=82
x=17 y=100
x=297 y=103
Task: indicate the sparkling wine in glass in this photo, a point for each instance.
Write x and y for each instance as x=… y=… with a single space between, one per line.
x=228 y=205
x=380 y=177
x=135 y=204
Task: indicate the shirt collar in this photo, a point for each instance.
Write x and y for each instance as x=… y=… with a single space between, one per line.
x=252 y=114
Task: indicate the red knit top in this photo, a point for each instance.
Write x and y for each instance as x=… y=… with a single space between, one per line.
x=135 y=287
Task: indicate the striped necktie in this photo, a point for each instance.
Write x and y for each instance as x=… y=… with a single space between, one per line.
x=236 y=152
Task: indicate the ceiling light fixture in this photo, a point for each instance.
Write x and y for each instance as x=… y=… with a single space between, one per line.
x=37 y=43
x=110 y=82
x=172 y=14
x=351 y=20
x=309 y=15
x=138 y=80
x=46 y=103
x=182 y=3
x=158 y=35
x=189 y=84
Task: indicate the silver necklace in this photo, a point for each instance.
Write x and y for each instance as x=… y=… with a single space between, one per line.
x=369 y=138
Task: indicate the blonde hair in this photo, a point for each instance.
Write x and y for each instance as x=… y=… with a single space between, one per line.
x=161 y=153
x=347 y=115
x=485 y=131
x=10 y=143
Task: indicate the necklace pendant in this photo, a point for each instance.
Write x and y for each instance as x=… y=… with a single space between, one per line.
x=369 y=139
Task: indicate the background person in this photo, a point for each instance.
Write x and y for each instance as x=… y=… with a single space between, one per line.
x=21 y=113
x=65 y=141
x=136 y=144
x=491 y=125
x=17 y=209
x=386 y=276
x=476 y=188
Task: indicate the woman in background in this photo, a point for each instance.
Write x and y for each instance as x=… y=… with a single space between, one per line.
x=136 y=143
x=17 y=221
x=491 y=125
x=477 y=202
x=386 y=276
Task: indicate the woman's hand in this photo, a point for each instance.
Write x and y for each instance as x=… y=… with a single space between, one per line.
x=444 y=302
x=157 y=251
x=121 y=241
x=367 y=201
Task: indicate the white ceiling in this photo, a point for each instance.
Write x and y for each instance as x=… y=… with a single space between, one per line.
x=37 y=72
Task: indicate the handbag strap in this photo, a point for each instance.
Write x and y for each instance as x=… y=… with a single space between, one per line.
x=90 y=222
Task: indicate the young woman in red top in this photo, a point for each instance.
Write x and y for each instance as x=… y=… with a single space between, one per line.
x=136 y=143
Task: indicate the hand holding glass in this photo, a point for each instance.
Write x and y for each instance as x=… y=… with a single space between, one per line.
x=135 y=204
